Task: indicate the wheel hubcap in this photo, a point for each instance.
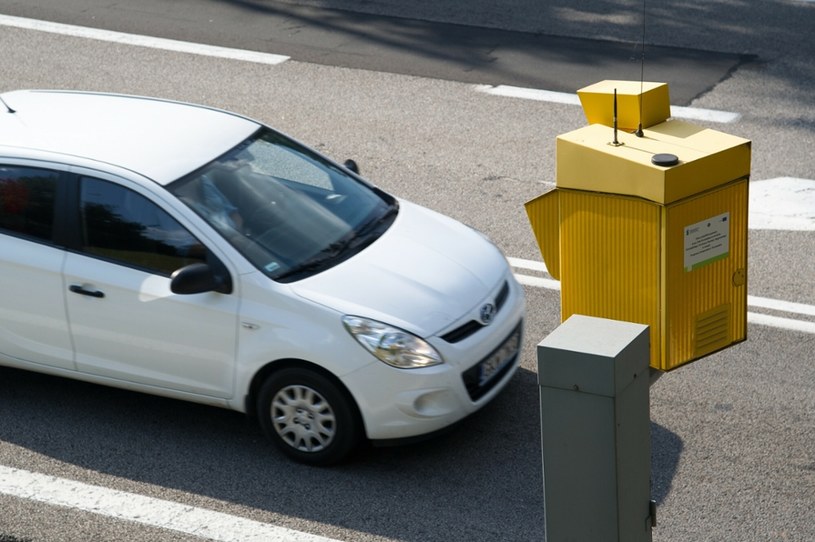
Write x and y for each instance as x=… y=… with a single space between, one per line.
x=303 y=418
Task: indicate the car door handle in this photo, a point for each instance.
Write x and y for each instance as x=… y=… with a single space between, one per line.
x=75 y=288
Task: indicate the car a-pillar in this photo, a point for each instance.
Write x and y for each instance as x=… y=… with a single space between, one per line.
x=647 y=224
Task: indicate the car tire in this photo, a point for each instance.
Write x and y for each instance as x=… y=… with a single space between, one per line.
x=308 y=417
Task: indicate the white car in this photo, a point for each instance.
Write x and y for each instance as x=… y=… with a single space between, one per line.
x=193 y=253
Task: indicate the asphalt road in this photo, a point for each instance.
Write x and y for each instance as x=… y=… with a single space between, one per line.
x=445 y=49
x=733 y=436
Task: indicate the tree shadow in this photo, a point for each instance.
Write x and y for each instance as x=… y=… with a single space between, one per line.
x=479 y=54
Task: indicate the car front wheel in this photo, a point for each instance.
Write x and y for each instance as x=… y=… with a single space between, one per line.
x=308 y=417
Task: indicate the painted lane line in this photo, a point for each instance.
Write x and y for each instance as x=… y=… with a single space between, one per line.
x=145 y=510
x=782 y=306
x=803 y=326
x=529 y=94
x=752 y=317
x=538 y=282
x=690 y=113
x=142 y=41
x=752 y=301
x=709 y=115
x=271 y=58
x=783 y=203
x=528 y=264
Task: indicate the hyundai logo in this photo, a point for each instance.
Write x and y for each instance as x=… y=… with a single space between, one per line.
x=487 y=314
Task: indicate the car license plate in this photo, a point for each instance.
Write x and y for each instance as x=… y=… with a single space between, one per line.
x=498 y=359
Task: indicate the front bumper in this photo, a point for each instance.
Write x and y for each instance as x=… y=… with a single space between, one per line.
x=399 y=403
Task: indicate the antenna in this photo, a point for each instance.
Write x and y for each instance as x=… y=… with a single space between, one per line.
x=8 y=109
x=614 y=120
x=639 y=133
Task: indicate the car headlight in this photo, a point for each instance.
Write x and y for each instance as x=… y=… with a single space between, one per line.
x=394 y=346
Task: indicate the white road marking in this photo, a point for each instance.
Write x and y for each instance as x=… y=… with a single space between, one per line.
x=529 y=94
x=690 y=113
x=752 y=301
x=709 y=115
x=803 y=326
x=142 y=41
x=270 y=58
x=782 y=306
x=784 y=203
x=145 y=510
x=528 y=264
x=538 y=282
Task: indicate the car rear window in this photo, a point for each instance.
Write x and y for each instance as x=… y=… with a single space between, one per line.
x=27 y=198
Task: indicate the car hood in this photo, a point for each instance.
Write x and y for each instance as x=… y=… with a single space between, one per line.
x=422 y=275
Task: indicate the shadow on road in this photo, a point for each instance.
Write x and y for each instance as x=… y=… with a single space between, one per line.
x=484 y=478
x=478 y=54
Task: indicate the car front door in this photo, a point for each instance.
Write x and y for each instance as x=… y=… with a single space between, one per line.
x=125 y=322
x=33 y=328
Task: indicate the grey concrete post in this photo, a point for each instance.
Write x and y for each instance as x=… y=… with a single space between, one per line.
x=593 y=375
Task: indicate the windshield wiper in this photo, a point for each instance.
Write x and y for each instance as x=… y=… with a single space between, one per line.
x=372 y=224
x=317 y=261
x=341 y=249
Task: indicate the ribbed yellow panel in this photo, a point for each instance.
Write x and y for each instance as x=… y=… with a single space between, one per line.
x=610 y=259
x=544 y=216
x=706 y=307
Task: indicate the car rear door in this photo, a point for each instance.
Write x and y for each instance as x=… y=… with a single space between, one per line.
x=125 y=322
x=33 y=325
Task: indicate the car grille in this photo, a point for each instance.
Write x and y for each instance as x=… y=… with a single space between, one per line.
x=467 y=329
x=472 y=377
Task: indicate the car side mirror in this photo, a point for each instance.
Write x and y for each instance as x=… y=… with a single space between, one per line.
x=351 y=166
x=198 y=278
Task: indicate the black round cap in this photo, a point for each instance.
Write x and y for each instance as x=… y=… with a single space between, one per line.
x=665 y=160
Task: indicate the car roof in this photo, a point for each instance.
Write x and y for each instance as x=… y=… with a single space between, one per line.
x=159 y=139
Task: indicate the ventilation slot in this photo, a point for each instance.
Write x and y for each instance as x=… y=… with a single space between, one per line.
x=712 y=330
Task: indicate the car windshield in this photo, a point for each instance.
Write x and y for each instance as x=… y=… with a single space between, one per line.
x=289 y=211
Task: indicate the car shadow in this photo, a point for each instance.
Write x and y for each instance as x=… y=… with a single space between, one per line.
x=480 y=482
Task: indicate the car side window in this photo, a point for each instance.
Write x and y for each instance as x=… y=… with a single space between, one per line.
x=121 y=225
x=27 y=198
